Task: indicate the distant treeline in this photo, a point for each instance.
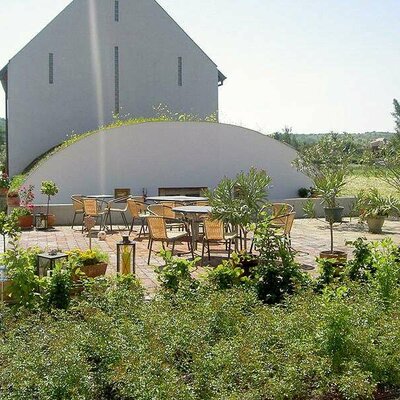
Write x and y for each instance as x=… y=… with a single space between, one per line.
x=303 y=140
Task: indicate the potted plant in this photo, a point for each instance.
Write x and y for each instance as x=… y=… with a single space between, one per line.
x=90 y=262
x=374 y=208
x=49 y=188
x=13 y=199
x=239 y=201
x=327 y=164
x=24 y=213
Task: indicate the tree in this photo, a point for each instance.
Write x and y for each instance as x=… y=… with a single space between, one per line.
x=239 y=201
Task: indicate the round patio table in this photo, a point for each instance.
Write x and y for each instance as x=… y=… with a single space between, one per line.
x=192 y=214
x=178 y=199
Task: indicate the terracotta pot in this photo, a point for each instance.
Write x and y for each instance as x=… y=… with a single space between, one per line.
x=13 y=201
x=375 y=224
x=51 y=220
x=340 y=256
x=25 y=221
x=334 y=213
x=91 y=271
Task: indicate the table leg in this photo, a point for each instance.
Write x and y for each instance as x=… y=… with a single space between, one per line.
x=195 y=233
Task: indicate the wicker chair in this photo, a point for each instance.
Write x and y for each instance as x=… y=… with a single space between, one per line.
x=279 y=213
x=111 y=208
x=165 y=210
x=214 y=232
x=92 y=208
x=138 y=210
x=77 y=203
x=158 y=233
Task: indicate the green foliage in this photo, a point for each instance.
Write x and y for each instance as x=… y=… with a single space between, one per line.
x=327 y=164
x=304 y=192
x=78 y=257
x=214 y=345
x=361 y=267
x=21 y=212
x=9 y=227
x=16 y=182
x=176 y=273
x=57 y=288
x=227 y=275
x=239 y=201
x=49 y=188
x=371 y=203
x=277 y=274
x=396 y=115
x=21 y=268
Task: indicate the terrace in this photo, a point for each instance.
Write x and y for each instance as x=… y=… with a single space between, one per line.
x=308 y=236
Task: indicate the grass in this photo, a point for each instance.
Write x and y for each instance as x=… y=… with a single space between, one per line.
x=364 y=178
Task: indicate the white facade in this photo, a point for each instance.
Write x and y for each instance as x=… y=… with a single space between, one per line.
x=85 y=65
x=167 y=154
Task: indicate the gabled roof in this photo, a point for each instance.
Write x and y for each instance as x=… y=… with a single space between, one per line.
x=221 y=78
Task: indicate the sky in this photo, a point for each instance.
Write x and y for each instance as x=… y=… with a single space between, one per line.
x=313 y=65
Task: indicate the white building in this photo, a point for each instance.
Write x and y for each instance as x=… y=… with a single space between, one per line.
x=96 y=58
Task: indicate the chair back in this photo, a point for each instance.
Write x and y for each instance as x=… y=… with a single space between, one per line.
x=202 y=203
x=160 y=210
x=157 y=228
x=77 y=202
x=136 y=208
x=213 y=229
x=279 y=209
x=289 y=223
x=167 y=210
x=90 y=206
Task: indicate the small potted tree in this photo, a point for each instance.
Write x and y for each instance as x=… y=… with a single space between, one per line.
x=49 y=188
x=327 y=164
x=374 y=208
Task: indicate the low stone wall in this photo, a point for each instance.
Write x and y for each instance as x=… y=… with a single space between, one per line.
x=64 y=212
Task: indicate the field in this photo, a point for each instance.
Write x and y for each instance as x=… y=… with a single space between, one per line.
x=364 y=178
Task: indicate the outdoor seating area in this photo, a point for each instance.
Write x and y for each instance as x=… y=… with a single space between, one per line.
x=308 y=236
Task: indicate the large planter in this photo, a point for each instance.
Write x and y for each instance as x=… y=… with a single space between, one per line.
x=25 y=221
x=333 y=214
x=375 y=224
x=91 y=271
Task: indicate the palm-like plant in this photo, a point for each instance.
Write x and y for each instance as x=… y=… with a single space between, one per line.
x=239 y=201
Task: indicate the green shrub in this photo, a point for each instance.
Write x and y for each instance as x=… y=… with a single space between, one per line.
x=176 y=273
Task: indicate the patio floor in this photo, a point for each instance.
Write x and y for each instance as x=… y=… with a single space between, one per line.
x=309 y=237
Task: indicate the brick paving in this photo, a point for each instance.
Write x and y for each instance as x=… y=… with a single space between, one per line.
x=309 y=237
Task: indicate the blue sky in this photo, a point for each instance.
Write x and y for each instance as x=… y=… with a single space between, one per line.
x=314 y=65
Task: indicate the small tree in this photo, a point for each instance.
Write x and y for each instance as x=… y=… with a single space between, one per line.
x=327 y=164
x=9 y=227
x=49 y=189
x=238 y=201
x=389 y=160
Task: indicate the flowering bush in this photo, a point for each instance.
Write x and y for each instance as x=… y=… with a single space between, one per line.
x=27 y=196
x=4 y=181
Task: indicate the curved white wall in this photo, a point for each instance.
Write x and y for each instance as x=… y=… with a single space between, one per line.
x=167 y=154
